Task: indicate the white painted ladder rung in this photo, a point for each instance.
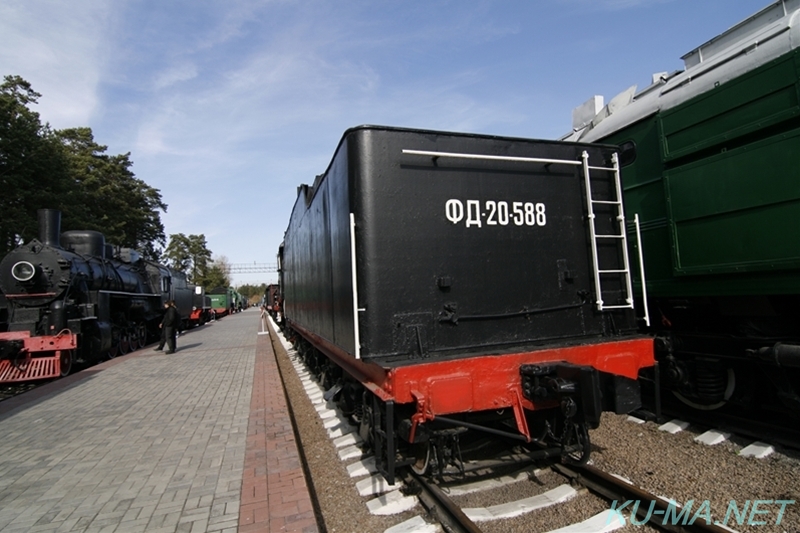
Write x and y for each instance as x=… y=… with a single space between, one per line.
x=622 y=271
x=606 y=202
x=609 y=236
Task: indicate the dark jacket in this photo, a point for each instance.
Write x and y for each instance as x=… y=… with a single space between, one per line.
x=171 y=318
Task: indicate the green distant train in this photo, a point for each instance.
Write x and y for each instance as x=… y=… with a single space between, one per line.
x=222 y=301
x=710 y=165
x=226 y=301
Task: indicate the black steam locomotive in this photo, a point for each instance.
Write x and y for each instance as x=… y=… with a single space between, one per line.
x=442 y=282
x=71 y=298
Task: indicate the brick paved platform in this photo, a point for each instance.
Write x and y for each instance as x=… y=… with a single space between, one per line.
x=197 y=441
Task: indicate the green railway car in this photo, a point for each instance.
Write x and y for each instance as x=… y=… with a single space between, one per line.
x=710 y=161
x=239 y=301
x=223 y=301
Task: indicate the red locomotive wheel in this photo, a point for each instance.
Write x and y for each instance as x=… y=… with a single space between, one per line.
x=65 y=360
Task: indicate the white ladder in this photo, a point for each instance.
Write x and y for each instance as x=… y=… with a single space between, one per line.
x=621 y=237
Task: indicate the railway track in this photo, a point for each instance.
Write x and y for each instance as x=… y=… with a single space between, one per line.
x=651 y=510
x=439 y=506
x=657 y=512
x=414 y=505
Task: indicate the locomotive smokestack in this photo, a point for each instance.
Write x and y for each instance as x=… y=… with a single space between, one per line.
x=50 y=227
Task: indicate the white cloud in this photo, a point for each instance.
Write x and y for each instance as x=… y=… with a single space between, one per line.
x=306 y=75
x=58 y=48
x=171 y=76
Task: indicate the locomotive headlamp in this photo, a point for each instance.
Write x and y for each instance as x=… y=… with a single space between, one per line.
x=23 y=271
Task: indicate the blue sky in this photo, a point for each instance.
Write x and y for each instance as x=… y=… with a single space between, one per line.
x=226 y=106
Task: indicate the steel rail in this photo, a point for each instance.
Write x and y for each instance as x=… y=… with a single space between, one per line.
x=614 y=488
x=438 y=504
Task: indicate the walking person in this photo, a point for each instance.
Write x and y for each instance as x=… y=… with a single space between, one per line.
x=169 y=328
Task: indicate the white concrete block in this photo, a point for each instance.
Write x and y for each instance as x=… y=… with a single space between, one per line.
x=414 y=525
x=344 y=431
x=327 y=413
x=599 y=523
x=487 y=484
x=759 y=450
x=375 y=484
x=391 y=503
x=363 y=467
x=559 y=494
x=674 y=426
x=338 y=420
x=350 y=452
x=327 y=406
x=712 y=437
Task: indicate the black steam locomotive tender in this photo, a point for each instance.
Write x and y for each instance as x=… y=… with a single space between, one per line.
x=438 y=281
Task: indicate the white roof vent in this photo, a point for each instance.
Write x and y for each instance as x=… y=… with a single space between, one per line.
x=618 y=102
x=584 y=113
x=659 y=77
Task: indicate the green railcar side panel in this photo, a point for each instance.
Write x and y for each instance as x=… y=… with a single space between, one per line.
x=218 y=300
x=766 y=96
x=738 y=211
x=716 y=185
x=643 y=191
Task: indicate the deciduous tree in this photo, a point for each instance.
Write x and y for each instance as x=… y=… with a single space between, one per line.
x=252 y=290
